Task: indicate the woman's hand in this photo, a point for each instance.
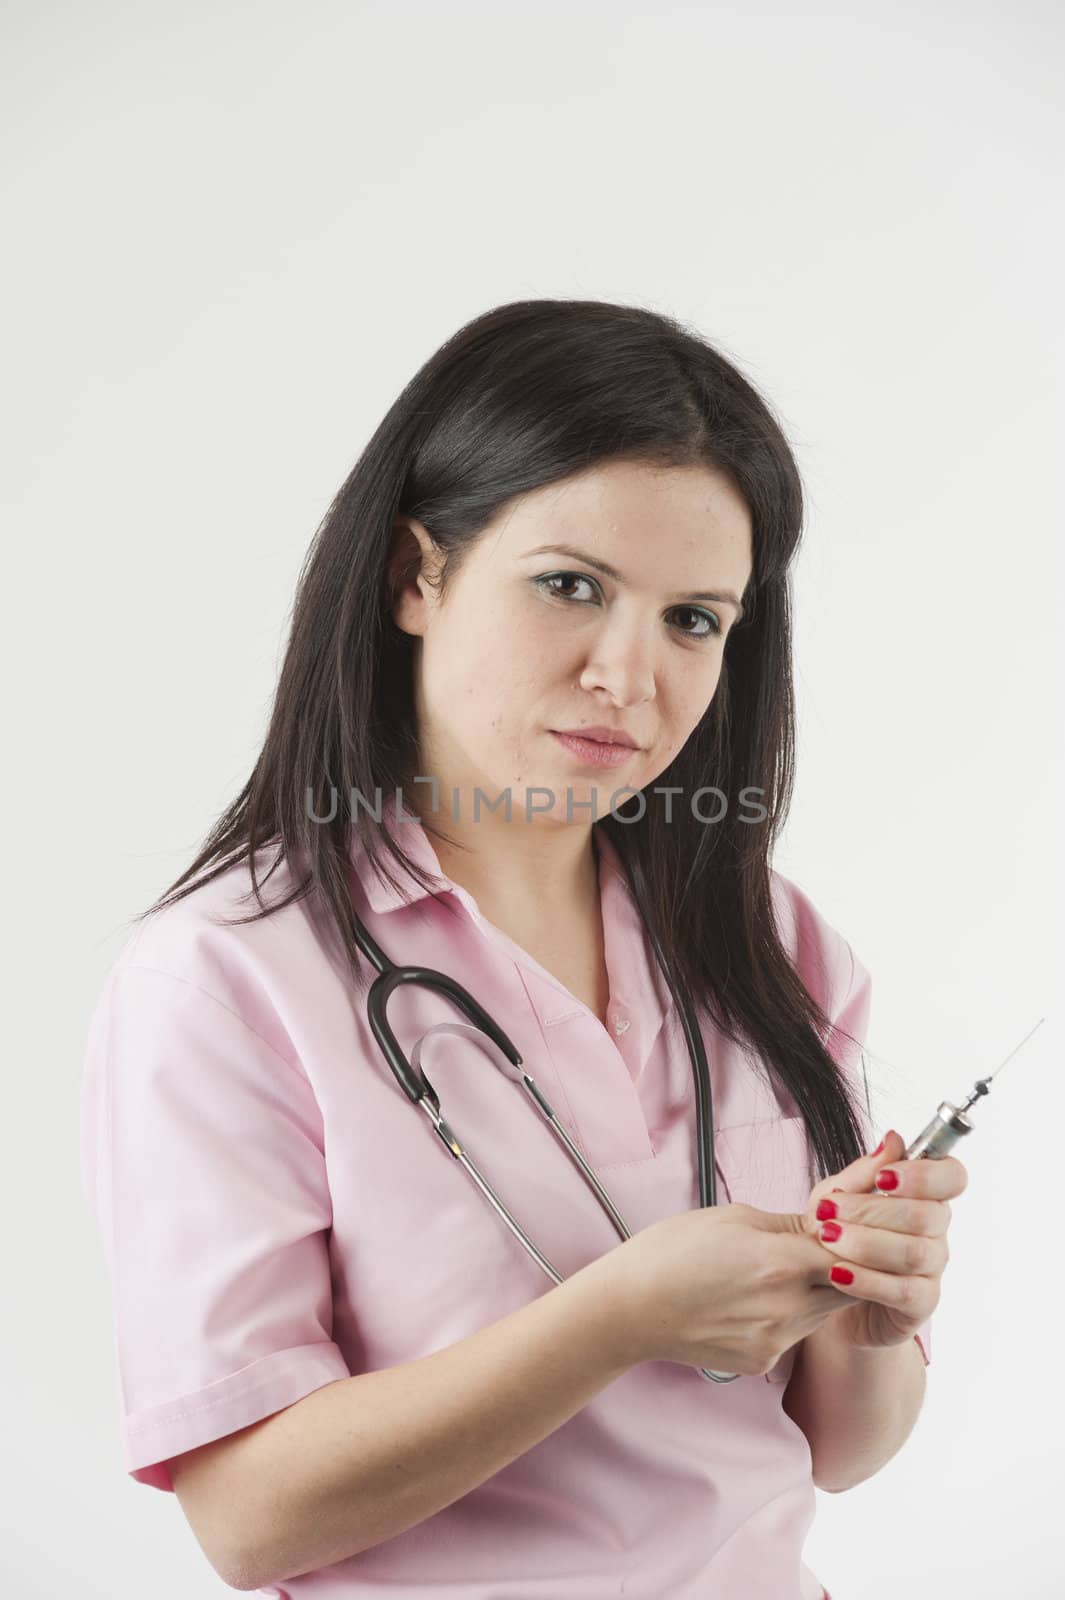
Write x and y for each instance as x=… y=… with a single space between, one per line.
x=728 y=1287
x=892 y=1241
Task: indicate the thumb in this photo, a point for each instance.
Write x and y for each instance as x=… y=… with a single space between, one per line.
x=860 y=1176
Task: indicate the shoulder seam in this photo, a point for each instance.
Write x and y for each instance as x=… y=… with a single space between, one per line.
x=293 y=1066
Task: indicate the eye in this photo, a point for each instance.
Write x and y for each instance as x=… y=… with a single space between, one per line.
x=706 y=616
x=563 y=577
x=713 y=622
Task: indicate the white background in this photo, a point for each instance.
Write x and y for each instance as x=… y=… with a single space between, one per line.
x=233 y=233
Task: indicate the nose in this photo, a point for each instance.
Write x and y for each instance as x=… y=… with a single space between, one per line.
x=622 y=663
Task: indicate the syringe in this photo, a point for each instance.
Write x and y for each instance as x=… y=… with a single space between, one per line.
x=950 y=1122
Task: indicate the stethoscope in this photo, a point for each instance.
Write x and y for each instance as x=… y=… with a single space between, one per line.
x=416 y=1086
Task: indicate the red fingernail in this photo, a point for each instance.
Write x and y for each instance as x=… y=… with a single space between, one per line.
x=827 y=1208
x=831 y=1232
x=880 y=1147
x=841 y=1275
x=887 y=1179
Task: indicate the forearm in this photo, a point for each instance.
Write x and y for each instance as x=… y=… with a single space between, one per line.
x=856 y=1407
x=363 y=1459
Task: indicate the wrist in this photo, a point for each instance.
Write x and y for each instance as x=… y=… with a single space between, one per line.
x=616 y=1319
x=833 y=1336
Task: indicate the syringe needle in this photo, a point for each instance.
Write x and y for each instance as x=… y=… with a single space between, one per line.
x=982 y=1085
x=950 y=1122
x=1013 y=1052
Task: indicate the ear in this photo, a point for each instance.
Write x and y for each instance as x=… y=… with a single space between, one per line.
x=413 y=565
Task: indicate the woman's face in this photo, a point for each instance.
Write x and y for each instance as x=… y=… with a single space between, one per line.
x=529 y=641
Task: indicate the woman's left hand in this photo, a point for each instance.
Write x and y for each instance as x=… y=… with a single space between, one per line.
x=893 y=1241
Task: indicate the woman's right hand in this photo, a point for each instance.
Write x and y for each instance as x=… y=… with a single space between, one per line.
x=730 y=1288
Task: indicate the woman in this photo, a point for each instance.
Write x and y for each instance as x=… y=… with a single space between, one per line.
x=577 y=520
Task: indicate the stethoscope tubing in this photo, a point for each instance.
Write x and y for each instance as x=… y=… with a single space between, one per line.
x=417 y=1087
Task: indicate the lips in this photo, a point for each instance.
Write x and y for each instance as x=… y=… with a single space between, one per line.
x=601 y=735
x=592 y=753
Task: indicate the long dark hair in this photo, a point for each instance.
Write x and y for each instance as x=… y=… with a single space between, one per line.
x=527 y=394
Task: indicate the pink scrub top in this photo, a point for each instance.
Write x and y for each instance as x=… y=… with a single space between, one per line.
x=277 y=1215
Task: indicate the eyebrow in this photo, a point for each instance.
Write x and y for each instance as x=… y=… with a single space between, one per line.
x=612 y=572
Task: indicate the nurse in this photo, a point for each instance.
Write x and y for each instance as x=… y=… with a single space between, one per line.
x=537 y=700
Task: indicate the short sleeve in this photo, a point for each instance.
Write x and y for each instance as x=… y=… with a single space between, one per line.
x=850 y=1031
x=203 y=1160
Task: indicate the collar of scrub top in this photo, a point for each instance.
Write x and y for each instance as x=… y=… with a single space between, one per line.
x=383 y=897
x=638 y=997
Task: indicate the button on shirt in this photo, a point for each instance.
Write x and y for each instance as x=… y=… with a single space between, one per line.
x=276 y=1215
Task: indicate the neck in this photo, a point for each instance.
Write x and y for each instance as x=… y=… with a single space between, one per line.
x=538 y=872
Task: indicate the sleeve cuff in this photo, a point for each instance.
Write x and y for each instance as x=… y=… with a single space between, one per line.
x=153 y=1434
